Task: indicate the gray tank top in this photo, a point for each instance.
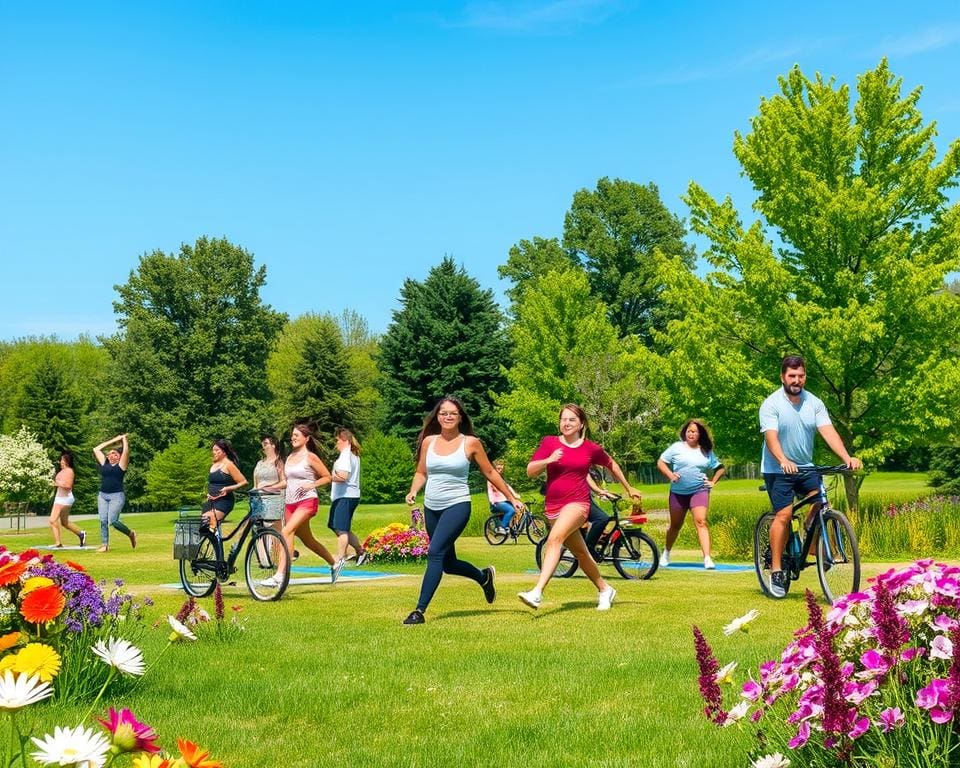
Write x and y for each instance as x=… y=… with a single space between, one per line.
x=447 y=477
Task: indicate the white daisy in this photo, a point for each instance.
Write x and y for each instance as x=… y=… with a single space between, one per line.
x=180 y=632
x=120 y=654
x=78 y=747
x=737 y=713
x=725 y=675
x=741 y=623
x=18 y=691
x=776 y=760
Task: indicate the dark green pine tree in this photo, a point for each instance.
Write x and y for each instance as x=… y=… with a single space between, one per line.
x=52 y=410
x=447 y=339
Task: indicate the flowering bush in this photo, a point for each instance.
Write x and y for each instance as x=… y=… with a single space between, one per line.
x=218 y=627
x=876 y=681
x=25 y=470
x=399 y=542
x=51 y=616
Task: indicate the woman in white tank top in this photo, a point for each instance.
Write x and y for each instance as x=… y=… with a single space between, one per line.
x=63 y=502
x=445 y=447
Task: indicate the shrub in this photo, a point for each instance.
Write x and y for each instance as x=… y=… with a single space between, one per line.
x=25 y=470
x=178 y=474
x=386 y=468
x=875 y=680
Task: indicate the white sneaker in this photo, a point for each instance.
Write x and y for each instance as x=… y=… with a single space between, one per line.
x=500 y=531
x=605 y=599
x=335 y=570
x=665 y=557
x=270 y=581
x=531 y=598
x=708 y=564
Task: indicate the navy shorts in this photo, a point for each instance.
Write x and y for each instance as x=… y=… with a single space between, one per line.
x=341 y=514
x=782 y=489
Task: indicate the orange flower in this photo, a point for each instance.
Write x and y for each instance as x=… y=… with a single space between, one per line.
x=196 y=757
x=43 y=604
x=11 y=571
x=76 y=566
x=9 y=640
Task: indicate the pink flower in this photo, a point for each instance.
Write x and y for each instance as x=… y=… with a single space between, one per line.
x=941 y=648
x=875 y=663
x=128 y=734
x=860 y=726
x=891 y=718
x=803 y=735
x=751 y=690
x=937 y=700
x=855 y=693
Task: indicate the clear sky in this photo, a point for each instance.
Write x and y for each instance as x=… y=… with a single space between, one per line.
x=351 y=144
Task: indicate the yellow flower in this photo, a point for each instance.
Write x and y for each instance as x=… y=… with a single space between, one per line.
x=33 y=582
x=145 y=760
x=7 y=662
x=38 y=659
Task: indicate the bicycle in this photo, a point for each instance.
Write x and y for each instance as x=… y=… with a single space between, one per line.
x=837 y=555
x=202 y=563
x=532 y=524
x=633 y=553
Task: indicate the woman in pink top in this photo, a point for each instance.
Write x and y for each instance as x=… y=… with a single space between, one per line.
x=567 y=458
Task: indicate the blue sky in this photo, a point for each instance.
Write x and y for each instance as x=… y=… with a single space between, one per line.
x=350 y=145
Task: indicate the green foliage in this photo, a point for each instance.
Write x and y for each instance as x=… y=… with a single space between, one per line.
x=361 y=347
x=866 y=239
x=311 y=378
x=945 y=469
x=447 y=339
x=565 y=350
x=192 y=347
x=177 y=475
x=386 y=468
x=614 y=232
x=529 y=260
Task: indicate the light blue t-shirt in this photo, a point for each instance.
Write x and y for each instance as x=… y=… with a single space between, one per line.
x=796 y=427
x=691 y=464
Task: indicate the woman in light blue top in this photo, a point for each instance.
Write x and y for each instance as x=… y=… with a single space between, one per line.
x=685 y=464
x=445 y=447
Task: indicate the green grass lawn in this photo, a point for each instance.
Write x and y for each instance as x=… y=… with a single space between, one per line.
x=329 y=676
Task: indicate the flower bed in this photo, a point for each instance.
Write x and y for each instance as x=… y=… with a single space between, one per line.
x=398 y=542
x=874 y=682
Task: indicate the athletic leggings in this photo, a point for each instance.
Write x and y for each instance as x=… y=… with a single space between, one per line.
x=444 y=526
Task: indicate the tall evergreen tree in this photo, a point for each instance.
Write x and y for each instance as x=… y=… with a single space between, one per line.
x=447 y=339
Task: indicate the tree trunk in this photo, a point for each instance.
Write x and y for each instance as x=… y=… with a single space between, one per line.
x=851 y=485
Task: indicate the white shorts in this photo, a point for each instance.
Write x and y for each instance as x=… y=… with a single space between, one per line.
x=64 y=501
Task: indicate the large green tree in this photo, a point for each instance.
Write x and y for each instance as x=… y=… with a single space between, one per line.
x=614 y=231
x=311 y=379
x=566 y=350
x=191 y=351
x=846 y=266
x=446 y=339
x=529 y=260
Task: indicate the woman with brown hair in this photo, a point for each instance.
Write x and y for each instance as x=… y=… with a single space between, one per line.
x=63 y=502
x=345 y=496
x=445 y=447
x=567 y=459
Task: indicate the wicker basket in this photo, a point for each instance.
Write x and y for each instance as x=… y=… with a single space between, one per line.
x=186 y=538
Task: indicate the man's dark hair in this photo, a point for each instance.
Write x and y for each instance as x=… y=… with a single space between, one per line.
x=792 y=361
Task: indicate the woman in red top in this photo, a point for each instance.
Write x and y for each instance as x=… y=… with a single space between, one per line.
x=567 y=460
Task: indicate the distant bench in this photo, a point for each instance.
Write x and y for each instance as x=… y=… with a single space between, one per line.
x=16 y=510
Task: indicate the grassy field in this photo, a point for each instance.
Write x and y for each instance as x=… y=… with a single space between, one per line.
x=329 y=677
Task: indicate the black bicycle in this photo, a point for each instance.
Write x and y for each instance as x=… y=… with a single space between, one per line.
x=633 y=553
x=837 y=555
x=202 y=563
x=533 y=524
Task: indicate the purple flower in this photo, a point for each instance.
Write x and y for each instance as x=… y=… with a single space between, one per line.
x=803 y=735
x=891 y=629
x=709 y=687
x=860 y=726
x=937 y=700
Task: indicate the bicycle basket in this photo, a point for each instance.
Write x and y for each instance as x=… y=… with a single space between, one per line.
x=186 y=538
x=267 y=508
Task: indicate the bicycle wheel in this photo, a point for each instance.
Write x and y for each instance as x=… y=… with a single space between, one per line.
x=566 y=566
x=635 y=555
x=838 y=557
x=490 y=530
x=264 y=553
x=199 y=575
x=537 y=529
x=762 y=557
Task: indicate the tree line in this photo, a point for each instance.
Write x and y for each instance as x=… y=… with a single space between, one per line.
x=847 y=261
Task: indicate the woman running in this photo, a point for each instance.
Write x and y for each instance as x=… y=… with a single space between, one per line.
x=567 y=458
x=445 y=447
x=63 y=502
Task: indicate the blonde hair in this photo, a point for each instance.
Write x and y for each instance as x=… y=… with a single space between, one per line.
x=347 y=435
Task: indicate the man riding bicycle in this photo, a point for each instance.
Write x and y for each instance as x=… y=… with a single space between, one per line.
x=789 y=421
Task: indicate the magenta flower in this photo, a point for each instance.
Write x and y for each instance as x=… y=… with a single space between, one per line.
x=860 y=726
x=875 y=664
x=891 y=629
x=802 y=737
x=891 y=718
x=709 y=687
x=127 y=734
x=937 y=700
x=752 y=690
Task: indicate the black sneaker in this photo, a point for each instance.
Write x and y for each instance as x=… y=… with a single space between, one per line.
x=778 y=584
x=415 y=617
x=489 y=590
x=83 y=539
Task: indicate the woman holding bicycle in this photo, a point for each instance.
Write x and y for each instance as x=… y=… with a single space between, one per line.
x=567 y=459
x=225 y=478
x=498 y=500
x=445 y=447
x=685 y=464
x=305 y=472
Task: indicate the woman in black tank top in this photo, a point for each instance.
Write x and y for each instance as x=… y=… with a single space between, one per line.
x=110 y=500
x=224 y=479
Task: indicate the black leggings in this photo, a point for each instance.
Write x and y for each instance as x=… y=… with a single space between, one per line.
x=444 y=527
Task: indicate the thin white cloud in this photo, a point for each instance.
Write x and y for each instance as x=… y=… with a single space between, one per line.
x=749 y=61
x=536 y=16
x=924 y=40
